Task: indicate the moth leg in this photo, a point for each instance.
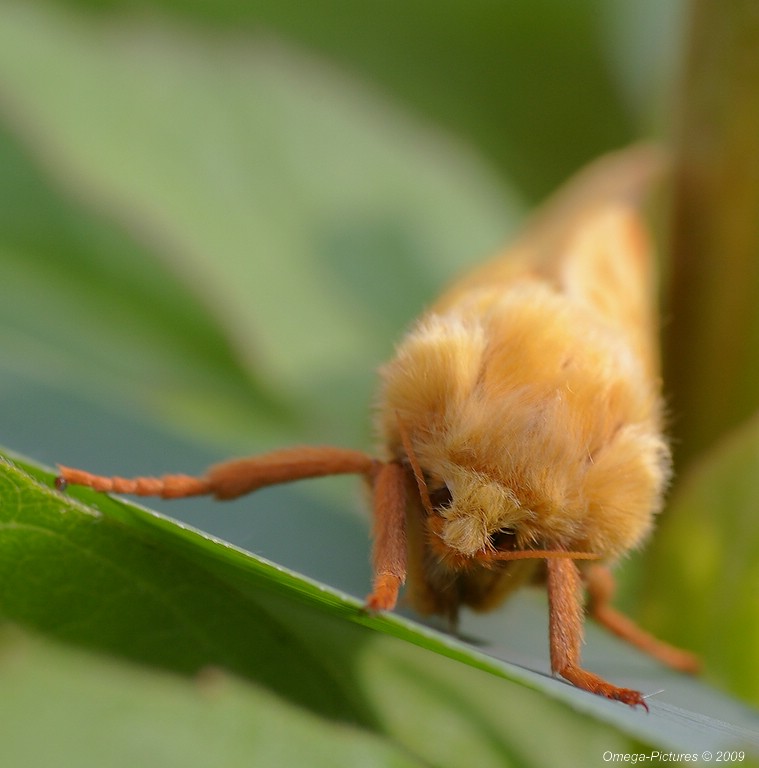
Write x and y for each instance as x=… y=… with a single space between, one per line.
x=232 y=478
x=389 y=552
x=566 y=633
x=600 y=586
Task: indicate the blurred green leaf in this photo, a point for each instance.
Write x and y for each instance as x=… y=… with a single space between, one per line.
x=707 y=552
x=539 y=87
x=85 y=305
x=261 y=180
x=66 y=708
x=505 y=76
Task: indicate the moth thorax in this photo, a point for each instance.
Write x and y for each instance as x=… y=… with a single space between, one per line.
x=479 y=509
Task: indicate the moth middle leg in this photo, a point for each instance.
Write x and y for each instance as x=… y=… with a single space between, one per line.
x=600 y=589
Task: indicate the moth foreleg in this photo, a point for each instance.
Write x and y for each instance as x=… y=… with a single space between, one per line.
x=234 y=478
x=389 y=552
x=566 y=633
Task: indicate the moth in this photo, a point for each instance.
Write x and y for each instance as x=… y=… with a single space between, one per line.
x=520 y=424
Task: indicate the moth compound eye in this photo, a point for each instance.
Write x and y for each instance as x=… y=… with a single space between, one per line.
x=503 y=539
x=440 y=497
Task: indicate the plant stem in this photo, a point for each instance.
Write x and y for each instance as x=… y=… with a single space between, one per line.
x=712 y=323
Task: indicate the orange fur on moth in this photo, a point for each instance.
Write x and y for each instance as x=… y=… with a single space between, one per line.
x=531 y=389
x=521 y=427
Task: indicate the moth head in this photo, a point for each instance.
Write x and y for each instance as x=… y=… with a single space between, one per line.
x=476 y=514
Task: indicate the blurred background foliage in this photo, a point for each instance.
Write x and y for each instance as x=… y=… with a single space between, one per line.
x=217 y=217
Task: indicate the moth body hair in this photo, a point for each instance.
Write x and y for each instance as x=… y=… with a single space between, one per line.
x=531 y=393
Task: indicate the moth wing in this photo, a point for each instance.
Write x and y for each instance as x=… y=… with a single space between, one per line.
x=590 y=242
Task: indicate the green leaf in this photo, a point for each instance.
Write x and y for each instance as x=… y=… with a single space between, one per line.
x=502 y=76
x=65 y=707
x=160 y=608
x=113 y=577
x=707 y=553
x=83 y=304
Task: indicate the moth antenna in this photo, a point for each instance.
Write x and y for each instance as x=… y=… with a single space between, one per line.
x=417 y=470
x=653 y=693
x=536 y=554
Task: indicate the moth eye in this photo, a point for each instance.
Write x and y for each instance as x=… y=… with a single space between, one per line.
x=440 y=497
x=503 y=539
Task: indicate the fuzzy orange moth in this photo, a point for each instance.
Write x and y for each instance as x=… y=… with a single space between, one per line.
x=521 y=428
